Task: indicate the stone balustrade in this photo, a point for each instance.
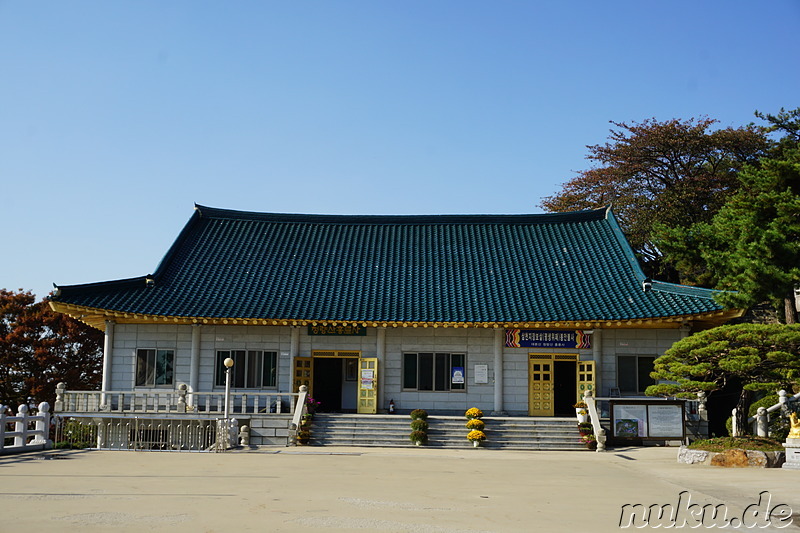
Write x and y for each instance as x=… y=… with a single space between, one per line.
x=29 y=433
x=178 y=401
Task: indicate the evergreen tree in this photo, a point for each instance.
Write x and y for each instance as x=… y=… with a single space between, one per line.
x=759 y=357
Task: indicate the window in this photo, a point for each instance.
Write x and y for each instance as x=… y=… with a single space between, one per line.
x=427 y=371
x=633 y=373
x=154 y=367
x=252 y=369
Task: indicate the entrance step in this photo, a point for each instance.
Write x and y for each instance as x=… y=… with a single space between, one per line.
x=521 y=433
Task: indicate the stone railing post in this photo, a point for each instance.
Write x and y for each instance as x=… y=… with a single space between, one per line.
x=300 y=408
x=43 y=426
x=599 y=432
x=182 y=398
x=734 y=425
x=244 y=436
x=702 y=407
x=233 y=433
x=2 y=425
x=782 y=400
x=762 y=422
x=21 y=427
x=61 y=388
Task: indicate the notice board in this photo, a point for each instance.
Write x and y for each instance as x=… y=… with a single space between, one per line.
x=636 y=420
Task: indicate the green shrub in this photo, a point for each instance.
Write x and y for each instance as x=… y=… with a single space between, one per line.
x=419 y=425
x=418 y=436
x=419 y=414
x=720 y=444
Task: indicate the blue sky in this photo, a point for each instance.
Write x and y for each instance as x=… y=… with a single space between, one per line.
x=116 y=117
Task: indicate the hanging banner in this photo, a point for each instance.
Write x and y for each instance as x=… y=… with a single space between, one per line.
x=534 y=338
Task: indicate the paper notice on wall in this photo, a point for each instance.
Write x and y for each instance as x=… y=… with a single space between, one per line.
x=481 y=373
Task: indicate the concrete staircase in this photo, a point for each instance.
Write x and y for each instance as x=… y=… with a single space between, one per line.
x=519 y=433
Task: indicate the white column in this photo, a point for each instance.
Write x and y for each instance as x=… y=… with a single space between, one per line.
x=294 y=351
x=380 y=353
x=686 y=329
x=499 y=337
x=194 y=364
x=108 y=348
x=597 y=356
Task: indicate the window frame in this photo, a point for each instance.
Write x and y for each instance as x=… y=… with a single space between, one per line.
x=636 y=373
x=249 y=370
x=433 y=370
x=154 y=363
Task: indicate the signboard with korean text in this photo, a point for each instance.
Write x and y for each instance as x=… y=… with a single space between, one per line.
x=340 y=329
x=535 y=338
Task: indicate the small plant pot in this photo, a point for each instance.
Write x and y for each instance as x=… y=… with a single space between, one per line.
x=476 y=444
x=582 y=414
x=592 y=445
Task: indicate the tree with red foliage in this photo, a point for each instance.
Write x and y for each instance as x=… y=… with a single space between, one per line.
x=677 y=172
x=40 y=348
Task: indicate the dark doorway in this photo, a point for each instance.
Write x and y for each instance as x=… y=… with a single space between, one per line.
x=328 y=384
x=564 y=387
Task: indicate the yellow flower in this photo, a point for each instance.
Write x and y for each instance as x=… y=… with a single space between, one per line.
x=476 y=435
x=475 y=423
x=473 y=412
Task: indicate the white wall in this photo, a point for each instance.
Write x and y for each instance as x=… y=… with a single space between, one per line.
x=476 y=343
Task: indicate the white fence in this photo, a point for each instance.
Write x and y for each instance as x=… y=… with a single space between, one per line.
x=25 y=432
x=175 y=401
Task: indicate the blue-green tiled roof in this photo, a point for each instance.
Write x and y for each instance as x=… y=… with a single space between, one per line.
x=438 y=268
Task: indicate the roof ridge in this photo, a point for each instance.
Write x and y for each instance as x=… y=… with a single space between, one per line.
x=310 y=218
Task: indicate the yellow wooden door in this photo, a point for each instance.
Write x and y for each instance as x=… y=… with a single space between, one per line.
x=540 y=401
x=303 y=373
x=585 y=378
x=368 y=385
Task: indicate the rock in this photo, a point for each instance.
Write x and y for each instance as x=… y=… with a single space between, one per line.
x=730 y=459
x=692 y=457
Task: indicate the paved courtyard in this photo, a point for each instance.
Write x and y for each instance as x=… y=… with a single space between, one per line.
x=365 y=489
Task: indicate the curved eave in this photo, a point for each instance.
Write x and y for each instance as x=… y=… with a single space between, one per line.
x=97 y=319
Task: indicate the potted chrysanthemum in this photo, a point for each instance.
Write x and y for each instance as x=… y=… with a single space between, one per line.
x=419 y=429
x=581 y=412
x=473 y=412
x=476 y=436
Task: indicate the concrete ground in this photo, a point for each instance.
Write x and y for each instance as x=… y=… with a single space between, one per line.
x=366 y=489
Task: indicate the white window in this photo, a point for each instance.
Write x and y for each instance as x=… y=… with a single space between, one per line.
x=427 y=371
x=154 y=367
x=252 y=369
x=633 y=373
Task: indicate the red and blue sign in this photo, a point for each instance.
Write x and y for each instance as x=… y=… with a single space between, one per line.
x=535 y=338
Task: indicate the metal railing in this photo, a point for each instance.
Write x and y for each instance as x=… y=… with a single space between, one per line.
x=138 y=434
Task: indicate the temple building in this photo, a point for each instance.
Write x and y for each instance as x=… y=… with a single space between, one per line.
x=515 y=314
